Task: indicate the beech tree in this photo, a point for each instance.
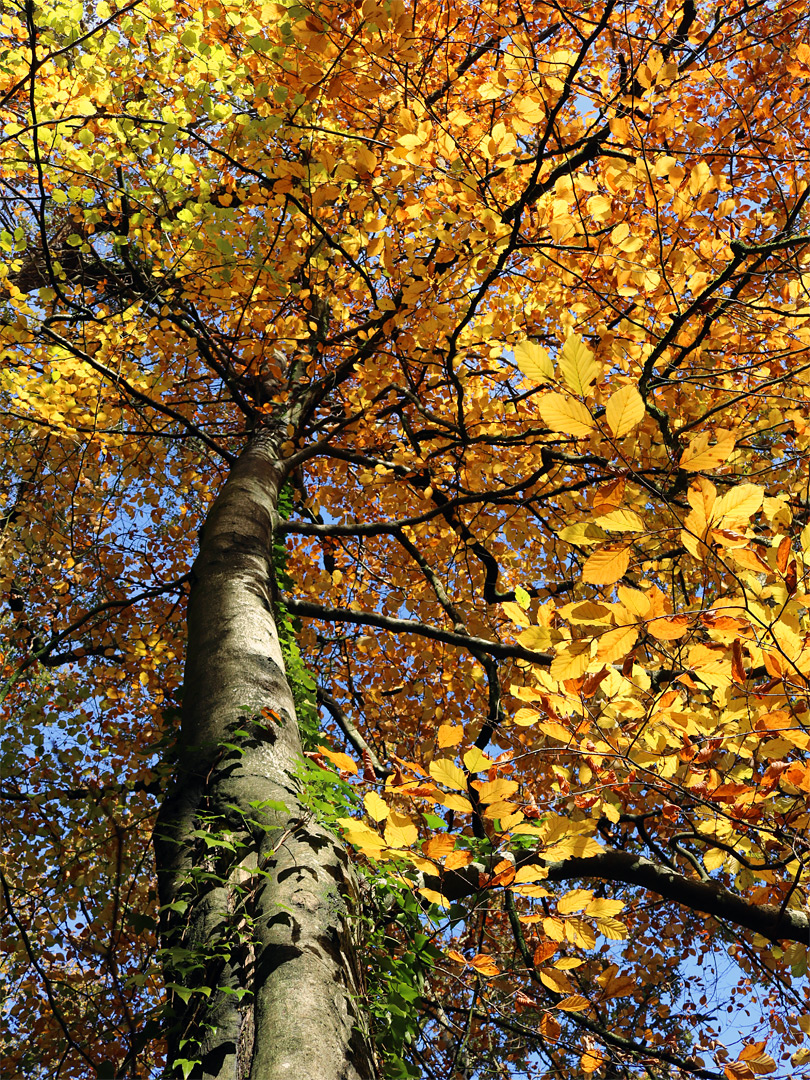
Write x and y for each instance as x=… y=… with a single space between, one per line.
x=405 y=539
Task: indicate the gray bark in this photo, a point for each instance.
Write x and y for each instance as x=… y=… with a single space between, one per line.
x=268 y=927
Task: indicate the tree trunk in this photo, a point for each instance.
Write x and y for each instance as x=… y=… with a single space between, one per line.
x=258 y=900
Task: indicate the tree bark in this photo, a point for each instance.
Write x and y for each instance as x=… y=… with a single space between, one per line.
x=258 y=900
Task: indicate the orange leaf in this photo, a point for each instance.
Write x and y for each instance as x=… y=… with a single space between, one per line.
x=606 y=566
x=590 y=1061
x=617 y=643
x=699 y=456
x=543 y=952
x=449 y=735
x=669 y=629
x=485 y=965
x=343 y=761
x=456 y=859
x=439 y=847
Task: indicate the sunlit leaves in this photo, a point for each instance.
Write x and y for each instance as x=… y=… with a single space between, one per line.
x=624 y=410
x=448 y=774
x=261 y=209
x=577 y=365
x=702 y=454
x=566 y=415
x=606 y=565
x=400 y=831
x=738 y=506
x=534 y=362
x=376 y=807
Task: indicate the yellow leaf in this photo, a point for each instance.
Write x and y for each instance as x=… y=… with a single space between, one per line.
x=516 y=614
x=554 y=929
x=582 y=534
x=621 y=520
x=439 y=847
x=578 y=367
x=555 y=730
x=400 y=831
x=620 y=233
x=434 y=897
x=757 y=1059
x=599 y=206
x=573 y=1003
x=738 y=505
x=445 y=772
x=555 y=980
x=343 y=761
x=360 y=834
x=530 y=873
x=624 y=410
x=614 y=984
x=587 y=612
x=534 y=362
x=449 y=735
x=606 y=566
x=376 y=807
x=636 y=601
x=456 y=859
x=610 y=928
x=526 y=717
x=476 y=760
x=458 y=803
x=602 y=906
x=566 y=415
x=496 y=790
x=750 y=560
x=699 y=455
x=529 y=109
x=500 y=811
x=572 y=660
x=536 y=637
x=575 y=900
x=702 y=496
x=737 y=1070
x=550 y=1028
x=617 y=643
x=575 y=847
x=365 y=159
x=580 y=934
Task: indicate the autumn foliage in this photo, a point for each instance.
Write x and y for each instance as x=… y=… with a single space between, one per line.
x=517 y=295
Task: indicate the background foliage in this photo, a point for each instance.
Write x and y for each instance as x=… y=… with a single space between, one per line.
x=524 y=286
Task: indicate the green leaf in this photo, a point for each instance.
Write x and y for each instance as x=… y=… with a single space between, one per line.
x=522 y=597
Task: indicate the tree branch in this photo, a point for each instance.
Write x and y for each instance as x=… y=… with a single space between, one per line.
x=624 y=867
x=411 y=626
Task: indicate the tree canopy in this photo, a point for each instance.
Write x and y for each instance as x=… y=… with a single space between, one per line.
x=453 y=359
